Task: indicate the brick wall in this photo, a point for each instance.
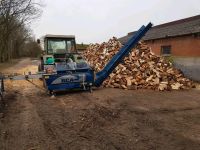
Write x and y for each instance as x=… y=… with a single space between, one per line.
x=180 y=46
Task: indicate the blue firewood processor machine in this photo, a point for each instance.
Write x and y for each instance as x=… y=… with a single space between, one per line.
x=63 y=68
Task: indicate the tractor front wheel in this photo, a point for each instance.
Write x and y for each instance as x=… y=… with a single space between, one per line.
x=90 y=89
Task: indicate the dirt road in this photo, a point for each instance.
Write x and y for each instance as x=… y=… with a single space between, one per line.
x=107 y=119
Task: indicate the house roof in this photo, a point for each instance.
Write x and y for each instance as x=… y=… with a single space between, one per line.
x=172 y=29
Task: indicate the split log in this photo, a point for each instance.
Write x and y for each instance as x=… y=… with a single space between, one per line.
x=141 y=69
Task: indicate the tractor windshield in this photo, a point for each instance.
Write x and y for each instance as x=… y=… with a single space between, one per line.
x=60 y=46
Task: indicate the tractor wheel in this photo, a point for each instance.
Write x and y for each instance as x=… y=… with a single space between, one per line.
x=52 y=93
x=90 y=89
x=39 y=68
x=42 y=65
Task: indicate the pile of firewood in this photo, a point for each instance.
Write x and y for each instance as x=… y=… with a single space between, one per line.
x=141 y=69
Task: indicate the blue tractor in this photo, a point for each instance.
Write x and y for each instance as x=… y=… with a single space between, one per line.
x=62 y=67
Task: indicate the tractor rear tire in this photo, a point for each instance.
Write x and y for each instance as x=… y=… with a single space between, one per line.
x=39 y=68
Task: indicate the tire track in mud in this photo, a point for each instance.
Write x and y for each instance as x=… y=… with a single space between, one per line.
x=74 y=127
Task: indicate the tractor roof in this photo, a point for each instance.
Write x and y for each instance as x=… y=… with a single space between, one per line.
x=58 y=36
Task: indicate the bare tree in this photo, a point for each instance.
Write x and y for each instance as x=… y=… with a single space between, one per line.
x=15 y=16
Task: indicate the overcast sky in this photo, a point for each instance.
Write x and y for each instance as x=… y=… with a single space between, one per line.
x=98 y=20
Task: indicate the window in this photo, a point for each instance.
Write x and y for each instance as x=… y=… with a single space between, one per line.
x=60 y=46
x=70 y=46
x=166 y=50
x=56 y=45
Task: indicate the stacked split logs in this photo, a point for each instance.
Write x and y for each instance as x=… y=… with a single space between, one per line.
x=141 y=69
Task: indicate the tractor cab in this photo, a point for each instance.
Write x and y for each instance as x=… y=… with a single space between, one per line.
x=60 y=54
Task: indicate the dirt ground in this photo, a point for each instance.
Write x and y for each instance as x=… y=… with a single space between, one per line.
x=107 y=119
